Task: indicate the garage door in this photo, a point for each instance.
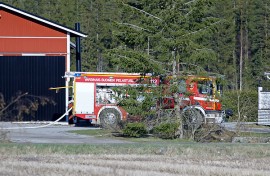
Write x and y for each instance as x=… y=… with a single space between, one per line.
x=34 y=75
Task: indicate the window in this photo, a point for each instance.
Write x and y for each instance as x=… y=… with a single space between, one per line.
x=205 y=87
x=182 y=86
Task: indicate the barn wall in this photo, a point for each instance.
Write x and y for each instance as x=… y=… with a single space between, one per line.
x=20 y=34
x=22 y=26
x=45 y=46
x=35 y=75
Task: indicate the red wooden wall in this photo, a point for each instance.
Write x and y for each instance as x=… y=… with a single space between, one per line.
x=20 y=34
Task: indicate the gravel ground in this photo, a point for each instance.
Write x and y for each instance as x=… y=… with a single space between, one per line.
x=56 y=134
x=245 y=128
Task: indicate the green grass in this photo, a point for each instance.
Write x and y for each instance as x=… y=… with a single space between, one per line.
x=101 y=133
x=94 y=132
x=174 y=149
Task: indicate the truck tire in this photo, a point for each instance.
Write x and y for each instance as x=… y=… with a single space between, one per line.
x=109 y=118
x=193 y=119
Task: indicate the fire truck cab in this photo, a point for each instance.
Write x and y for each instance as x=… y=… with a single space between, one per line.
x=200 y=93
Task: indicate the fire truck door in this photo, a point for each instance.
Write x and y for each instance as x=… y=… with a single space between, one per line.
x=84 y=98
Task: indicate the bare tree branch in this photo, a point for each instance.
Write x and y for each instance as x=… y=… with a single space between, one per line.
x=14 y=101
x=148 y=58
x=135 y=26
x=189 y=2
x=188 y=13
x=200 y=49
x=202 y=29
x=143 y=12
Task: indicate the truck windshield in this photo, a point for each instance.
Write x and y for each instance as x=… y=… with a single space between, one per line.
x=205 y=87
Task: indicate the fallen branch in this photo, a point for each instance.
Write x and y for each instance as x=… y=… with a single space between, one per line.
x=14 y=101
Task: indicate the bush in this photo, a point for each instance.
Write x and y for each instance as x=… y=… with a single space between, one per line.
x=248 y=104
x=135 y=130
x=166 y=130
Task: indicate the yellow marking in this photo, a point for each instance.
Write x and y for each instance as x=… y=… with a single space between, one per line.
x=74 y=98
x=111 y=75
x=57 y=88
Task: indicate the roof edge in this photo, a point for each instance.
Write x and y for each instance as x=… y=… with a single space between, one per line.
x=43 y=20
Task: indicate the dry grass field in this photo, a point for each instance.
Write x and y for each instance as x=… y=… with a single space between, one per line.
x=140 y=159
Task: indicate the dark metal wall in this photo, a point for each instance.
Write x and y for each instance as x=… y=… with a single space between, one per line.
x=35 y=75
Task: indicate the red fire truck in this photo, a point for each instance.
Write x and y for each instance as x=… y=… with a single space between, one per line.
x=93 y=96
x=94 y=99
x=199 y=93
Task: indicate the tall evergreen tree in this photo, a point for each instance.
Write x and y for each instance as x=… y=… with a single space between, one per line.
x=168 y=28
x=259 y=16
x=224 y=42
x=229 y=37
x=97 y=18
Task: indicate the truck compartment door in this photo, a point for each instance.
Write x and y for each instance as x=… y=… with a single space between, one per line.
x=84 y=96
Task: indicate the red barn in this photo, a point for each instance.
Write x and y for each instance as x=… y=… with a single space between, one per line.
x=34 y=55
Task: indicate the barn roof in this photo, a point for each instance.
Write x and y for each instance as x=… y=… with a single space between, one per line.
x=72 y=32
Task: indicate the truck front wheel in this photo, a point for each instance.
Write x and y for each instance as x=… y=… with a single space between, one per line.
x=109 y=118
x=193 y=118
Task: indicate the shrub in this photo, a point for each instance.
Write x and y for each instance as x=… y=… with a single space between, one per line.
x=135 y=130
x=166 y=130
x=248 y=104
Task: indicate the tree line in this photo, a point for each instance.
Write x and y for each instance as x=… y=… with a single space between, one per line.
x=229 y=37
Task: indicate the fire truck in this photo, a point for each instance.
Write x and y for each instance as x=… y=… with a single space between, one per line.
x=198 y=93
x=94 y=99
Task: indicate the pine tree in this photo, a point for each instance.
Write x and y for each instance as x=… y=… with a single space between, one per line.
x=154 y=30
x=259 y=40
x=224 y=42
x=147 y=36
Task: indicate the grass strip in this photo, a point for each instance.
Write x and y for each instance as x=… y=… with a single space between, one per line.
x=204 y=150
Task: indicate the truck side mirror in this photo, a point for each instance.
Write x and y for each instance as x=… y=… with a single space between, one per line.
x=229 y=112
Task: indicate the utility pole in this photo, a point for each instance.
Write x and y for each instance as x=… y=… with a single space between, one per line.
x=176 y=97
x=148 y=46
